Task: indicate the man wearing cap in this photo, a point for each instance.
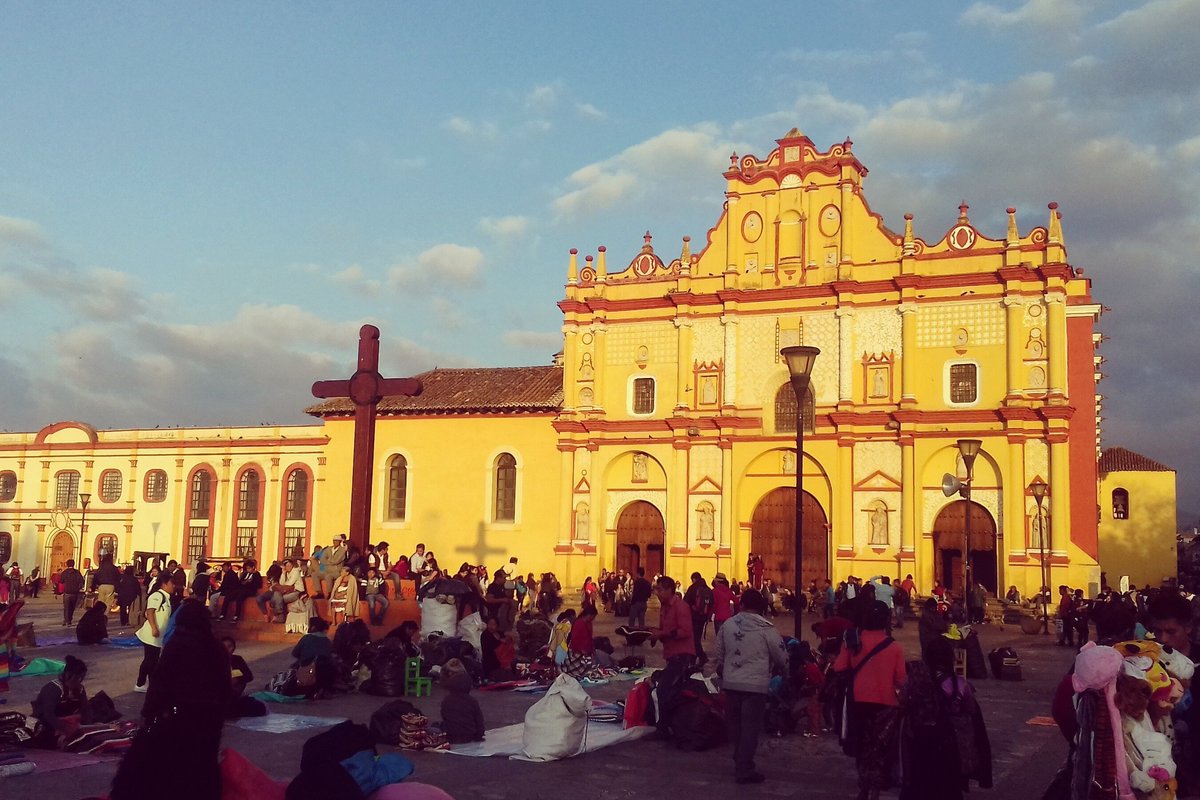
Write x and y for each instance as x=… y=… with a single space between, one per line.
x=332 y=562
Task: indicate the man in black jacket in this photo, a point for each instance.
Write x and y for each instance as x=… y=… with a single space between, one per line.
x=228 y=586
x=249 y=585
x=72 y=583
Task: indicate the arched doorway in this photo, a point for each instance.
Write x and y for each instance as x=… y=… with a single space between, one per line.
x=59 y=549
x=772 y=536
x=641 y=536
x=948 y=545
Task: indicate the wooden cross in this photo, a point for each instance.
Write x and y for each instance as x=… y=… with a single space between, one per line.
x=365 y=388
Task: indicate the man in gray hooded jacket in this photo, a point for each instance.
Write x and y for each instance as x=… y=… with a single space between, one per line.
x=749 y=650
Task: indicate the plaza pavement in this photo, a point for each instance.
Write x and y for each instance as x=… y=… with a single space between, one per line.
x=1025 y=756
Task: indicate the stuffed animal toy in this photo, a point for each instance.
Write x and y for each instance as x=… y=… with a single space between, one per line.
x=1148 y=759
x=1097 y=668
x=1177 y=665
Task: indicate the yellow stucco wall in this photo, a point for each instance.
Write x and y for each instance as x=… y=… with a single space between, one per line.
x=1141 y=546
x=450 y=463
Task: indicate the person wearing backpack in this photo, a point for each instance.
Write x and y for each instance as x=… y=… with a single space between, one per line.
x=158 y=611
x=872 y=674
x=748 y=651
x=699 y=599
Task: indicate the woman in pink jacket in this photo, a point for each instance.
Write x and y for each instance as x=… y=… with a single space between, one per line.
x=724 y=602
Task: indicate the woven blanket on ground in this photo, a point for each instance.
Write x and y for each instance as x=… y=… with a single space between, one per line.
x=276 y=697
x=41 y=666
x=509 y=741
x=102 y=738
x=285 y=723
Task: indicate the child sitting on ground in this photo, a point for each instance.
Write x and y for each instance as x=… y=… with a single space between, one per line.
x=462 y=718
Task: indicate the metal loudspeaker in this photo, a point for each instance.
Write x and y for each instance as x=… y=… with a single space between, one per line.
x=951 y=485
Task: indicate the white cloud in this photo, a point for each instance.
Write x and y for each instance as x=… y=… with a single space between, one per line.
x=21 y=232
x=589 y=111
x=510 y=227
x=541 y=98
x=667 y=160
x=468 y=129
x=1034 y=15
x=448 y=263
x=354 y=277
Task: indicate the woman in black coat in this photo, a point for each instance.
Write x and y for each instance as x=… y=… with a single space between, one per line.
x=92 y=627
x=129 y=590
x=190 y=692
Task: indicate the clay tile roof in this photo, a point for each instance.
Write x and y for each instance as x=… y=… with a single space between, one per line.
x=1118 y=459
x=505 y=390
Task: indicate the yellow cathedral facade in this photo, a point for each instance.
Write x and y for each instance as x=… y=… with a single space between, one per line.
x=663 y=435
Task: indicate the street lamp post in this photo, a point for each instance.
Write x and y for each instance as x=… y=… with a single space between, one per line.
x=1038 y=487
x=800 y=361
x=84 y=499
x=968 y=448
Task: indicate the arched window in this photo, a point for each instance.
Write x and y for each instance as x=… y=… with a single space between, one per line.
x=201 y=494
x=296 y=514
x=248 y=495
x=110 y=485
x=297 y=494
x=8 y=486
x=156 y=486
x=505 y=506
x=200 y=514
x=397 y=507
x=1120 y=504
x=106 y=543
x=5 y=546
x=249 y=513
x=785 y=410
x=66 y=493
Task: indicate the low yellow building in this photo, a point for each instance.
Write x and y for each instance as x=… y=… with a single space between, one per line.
x=194 y=492
x=664 y=434
x=1137 y=518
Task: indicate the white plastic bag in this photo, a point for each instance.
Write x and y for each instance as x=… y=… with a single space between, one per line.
x=439 y=618
x=470 y=630
x=556 y=725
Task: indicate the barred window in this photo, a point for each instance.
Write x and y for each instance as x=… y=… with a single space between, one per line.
x=643 y=395
x=785 y=410
x=8 y=486
x=5 y=546
x=67 y=490
x=248 y=495
x=156 y=486
x=964 y=383
x=397 y=488
x=506 y=488
x=202 y=495
x=297 y=494
x=197 y=547
x=110 y=486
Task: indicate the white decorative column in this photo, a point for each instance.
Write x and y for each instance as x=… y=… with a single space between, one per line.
x=845 y=317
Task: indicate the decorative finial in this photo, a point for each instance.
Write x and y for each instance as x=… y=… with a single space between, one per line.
x=910 y=247
x=1055 y=233
x=733 y=159
x=573 y=268
x=1014 y=236
x=685 y=256
x=647 y=237
x=846 y=145
x=962 y=211
x=601 y=262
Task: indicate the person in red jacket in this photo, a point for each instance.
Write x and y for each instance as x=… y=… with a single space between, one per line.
x=724 y=603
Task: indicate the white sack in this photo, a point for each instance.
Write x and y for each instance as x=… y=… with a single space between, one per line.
x=556 y=724
x=439 y=618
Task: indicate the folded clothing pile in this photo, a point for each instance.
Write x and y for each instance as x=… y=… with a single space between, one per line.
x=416 y=734
x=13 y=762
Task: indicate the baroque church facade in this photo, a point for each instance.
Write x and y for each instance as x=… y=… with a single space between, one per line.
x=663 y=436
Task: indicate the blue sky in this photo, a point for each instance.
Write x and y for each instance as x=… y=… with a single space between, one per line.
x=200 y=203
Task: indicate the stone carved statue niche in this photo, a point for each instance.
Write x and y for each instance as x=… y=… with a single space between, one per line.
x=877 y=518
x=706 y=522
x=641 y=468
x=582 y=523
